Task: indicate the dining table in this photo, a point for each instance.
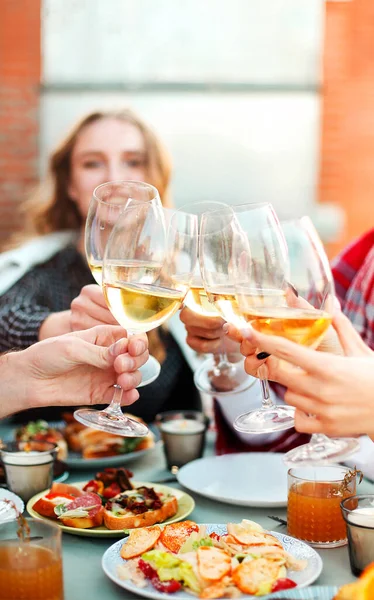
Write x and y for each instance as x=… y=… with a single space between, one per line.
x=83 y=574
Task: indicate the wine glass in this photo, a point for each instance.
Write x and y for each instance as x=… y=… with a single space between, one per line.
x=217 y=230
x=217 y=374
x=147 y=270
x=261 y=273
x=305 y=321
x=108 y=201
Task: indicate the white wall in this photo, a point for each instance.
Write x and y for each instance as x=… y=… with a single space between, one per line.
x=173 y=40
x=256 y=144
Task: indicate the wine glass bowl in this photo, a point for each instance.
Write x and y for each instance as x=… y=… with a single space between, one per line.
x=144 y=280
x=217 y=374
x=260 y=270
x=311 y=303
x=108 y=201
x=135 y=258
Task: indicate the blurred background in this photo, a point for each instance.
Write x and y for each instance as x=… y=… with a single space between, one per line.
x=256 y=99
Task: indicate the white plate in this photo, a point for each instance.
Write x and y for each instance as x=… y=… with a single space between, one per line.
x=316 y=592
x=246 y=479
x=7 y=513
x=112 y=559
x=76 y=461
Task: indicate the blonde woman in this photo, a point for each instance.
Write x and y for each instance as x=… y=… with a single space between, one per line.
x=57 y=295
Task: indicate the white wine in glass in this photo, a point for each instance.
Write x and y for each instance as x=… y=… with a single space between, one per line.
x=108 y=202
x=261 y=271
x=197 y=300
x=144 y=282
x=312 y=312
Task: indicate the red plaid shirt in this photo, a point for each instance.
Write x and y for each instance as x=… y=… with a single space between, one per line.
x=353 y=272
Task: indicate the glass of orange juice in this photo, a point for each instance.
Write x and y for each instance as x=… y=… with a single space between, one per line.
x=31 y=568
x=313 y=511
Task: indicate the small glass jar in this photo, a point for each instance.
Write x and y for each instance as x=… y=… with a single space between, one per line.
x=358 y=513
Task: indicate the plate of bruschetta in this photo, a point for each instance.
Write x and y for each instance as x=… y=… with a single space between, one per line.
x=210 y=561
x=110 y=504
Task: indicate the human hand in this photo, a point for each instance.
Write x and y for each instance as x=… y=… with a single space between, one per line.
x=204 y=334
x=81 y=367
x=331 y=395
x=90 y=309
x=255 y=357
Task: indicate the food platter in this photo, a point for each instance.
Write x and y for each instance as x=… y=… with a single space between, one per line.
x=112 y=561
x=186 y=504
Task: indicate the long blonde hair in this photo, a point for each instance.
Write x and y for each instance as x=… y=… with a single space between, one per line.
x=50 y=208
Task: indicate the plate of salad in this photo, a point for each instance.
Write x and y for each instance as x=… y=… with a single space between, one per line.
x=210 y=561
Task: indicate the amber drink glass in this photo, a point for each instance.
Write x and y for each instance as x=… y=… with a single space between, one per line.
x=314 y=497
x=31 y=568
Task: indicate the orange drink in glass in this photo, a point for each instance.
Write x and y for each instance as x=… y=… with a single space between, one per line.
x=31 y=568
x=314 y=496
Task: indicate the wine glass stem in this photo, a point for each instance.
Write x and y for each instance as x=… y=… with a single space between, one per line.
x=114 y=407
x=266 y=399
x=221 y=360
x=318 y=438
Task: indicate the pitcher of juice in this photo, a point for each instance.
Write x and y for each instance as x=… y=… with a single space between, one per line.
x=313 y=511
x=30 y=564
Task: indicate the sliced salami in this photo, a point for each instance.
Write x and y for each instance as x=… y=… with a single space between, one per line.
x=85 y=500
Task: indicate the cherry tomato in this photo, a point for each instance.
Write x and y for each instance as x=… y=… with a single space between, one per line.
x=283 y=584
x=215 y=536
x=147 y=569
x=112 y=490
x=169 y=587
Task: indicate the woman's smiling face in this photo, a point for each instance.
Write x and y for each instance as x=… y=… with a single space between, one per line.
x=107 y=150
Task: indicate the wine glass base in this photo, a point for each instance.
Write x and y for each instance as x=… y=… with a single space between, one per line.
x=266 y=420
x=112 y=423
x=224 y=384
x=150 y=371
x=324 y=452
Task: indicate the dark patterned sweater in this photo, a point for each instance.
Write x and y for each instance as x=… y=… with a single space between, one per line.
x=51 y=287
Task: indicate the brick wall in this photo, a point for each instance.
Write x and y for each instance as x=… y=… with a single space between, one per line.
x=20 y=64
x=347 y=127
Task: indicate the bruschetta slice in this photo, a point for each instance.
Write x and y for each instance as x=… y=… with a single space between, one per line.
x=140 y=507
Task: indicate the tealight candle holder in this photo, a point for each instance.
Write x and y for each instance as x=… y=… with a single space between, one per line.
x=28 y=467
x=183 y=434
x=358 y=513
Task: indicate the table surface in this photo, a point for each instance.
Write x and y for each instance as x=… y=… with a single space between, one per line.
x=83 y=575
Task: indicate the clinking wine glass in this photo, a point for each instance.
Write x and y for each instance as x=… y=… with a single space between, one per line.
x=311 y=314
x=108 y=201
x=261 y=273
x=217 y=374
x=216 y=239
x=147 y=270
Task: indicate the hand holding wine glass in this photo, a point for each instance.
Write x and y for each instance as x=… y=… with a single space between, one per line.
x=304 y=317
x=108 y=202
x=217 y=374
x=147 y=269
x=322 y=387
x=261 y=273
